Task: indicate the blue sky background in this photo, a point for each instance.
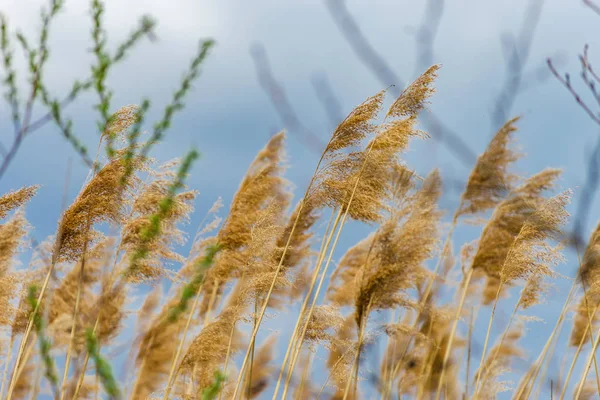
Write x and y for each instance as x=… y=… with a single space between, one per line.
x=228 y=117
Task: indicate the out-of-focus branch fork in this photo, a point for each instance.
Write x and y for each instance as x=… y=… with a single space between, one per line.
x=592 y=180
x=280 y=101
x=24 y=125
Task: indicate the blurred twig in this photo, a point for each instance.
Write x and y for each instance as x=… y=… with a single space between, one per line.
x=370 y=58
x=516 y=55
x=592 y=181
x=330 y=102
x=280 y=101
x=595 y=7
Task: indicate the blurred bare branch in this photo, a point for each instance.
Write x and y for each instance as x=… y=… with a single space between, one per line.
x=566 y=81
x=328 y=99
x=516 y=53
x=372 y=60
x=426 y=34
x=592 y=181
x=280 y=101
x=595 y=7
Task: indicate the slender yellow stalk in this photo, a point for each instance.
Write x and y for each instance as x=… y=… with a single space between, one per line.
x=355 y=365
x=333 y=369
x=228 y=354
x=274 y=281
x=428 y=290
x=463 y=295
x=588 y=364
x=294 y=341
x=72 y=337
x=577 y=352
x=18 y=363
x=540 y=358
x=171 y=379
x=324 y=246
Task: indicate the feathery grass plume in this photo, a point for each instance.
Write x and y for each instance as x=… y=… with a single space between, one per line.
x=589 y=277
x=156 y=349
x=103 y=368
x=63 y=298
x=324 y=325
x=356 y=126
x=34 y=276
x=17 y=198
x=169 y=205
x=414 y=97
x=102 y=200
x=371 y=171
x=151 y=231
x=118 y=124
x=505 y=224
x=342 y=351
x=342 y=284
x=210 y=347
x=530 y=253
x=299 y=246
x=112 y=314
x=490 y=180
x=262 y=369
x=45 y=344
x=11 y=238
x=499 y=361
x=262 y=185
x=400 y=247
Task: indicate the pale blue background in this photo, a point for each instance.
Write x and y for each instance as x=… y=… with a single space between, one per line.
x=229 y=118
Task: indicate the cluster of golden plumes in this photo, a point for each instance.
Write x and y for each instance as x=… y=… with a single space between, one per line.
x=269 y=260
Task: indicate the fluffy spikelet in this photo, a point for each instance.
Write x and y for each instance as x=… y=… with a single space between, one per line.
x=261 y=184
x=299 y=247
x=121 y=120
x=534 y=291
x=499 y=361
x=157 y=347
x=145 y=205
x=401 y=246
x=11 y=236
x=506 y=223
x=372 y=170
x=342 y=287
x=15 y=199
x=530 y=253
x=38 y=269
x=102 y=200
x=342 y=351
x=490 y=180
x=357 y=125
x=62 y=302
x=414 y=97
x=324 y=324
x=207 y=352
x=589 y=277
x=262 y=195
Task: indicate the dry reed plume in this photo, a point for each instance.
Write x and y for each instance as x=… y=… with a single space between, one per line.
x=111 y=287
